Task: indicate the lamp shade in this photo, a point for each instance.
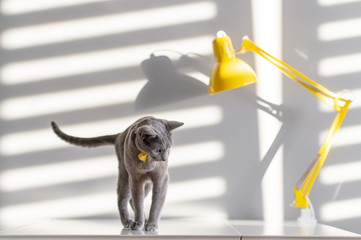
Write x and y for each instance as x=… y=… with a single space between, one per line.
x=229 y=72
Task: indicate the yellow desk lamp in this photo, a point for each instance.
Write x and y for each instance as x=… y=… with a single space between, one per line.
x=231 y=72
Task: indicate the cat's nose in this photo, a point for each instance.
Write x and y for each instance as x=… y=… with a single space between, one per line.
x=165 y=155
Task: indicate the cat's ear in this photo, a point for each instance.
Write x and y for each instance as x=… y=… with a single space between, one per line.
x=146 y=132
x=171 y=125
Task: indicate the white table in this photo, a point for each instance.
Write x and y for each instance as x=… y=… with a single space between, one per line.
x=169 y=229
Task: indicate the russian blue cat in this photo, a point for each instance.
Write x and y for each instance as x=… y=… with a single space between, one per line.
x=142 y=151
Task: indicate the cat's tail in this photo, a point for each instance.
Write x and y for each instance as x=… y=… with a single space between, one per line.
x=84 y=142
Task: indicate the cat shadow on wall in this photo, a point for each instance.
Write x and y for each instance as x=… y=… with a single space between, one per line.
x=165 y=84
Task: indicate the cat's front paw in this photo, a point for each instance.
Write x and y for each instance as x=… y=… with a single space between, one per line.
x=126 y=223
x=151 y=227
x=136 y=225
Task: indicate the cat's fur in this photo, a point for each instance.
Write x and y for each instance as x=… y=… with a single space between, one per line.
x=136 y=178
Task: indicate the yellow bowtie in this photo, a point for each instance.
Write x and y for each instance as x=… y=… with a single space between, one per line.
x=142 y=156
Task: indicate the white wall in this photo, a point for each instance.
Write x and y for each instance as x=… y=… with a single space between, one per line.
x=87 y=65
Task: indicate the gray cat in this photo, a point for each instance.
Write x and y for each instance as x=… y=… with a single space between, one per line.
x=142 y=151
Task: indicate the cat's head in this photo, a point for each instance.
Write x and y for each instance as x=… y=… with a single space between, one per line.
x=154 y=137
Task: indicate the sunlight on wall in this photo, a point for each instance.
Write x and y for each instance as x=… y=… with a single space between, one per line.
x=195 y=210
x=79 y=206
x=24 y=142
x=52 y=174
x=90 y=62
x=327 y=3
x=11 y=7
x=341 y=173
x=338 y=30
x=202 y=152
x=106 y=25
x=335 y=66
x=63 y=101
x=267 y=18
x=196 y=189
x=341 y=210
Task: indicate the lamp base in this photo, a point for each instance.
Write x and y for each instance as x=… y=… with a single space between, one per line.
x=307 y=218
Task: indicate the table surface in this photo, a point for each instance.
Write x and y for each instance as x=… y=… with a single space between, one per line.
x=169 y=229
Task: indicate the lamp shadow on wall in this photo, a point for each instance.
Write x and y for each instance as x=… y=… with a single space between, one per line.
x=278 y=112
x=251 y=188
x=166 y=84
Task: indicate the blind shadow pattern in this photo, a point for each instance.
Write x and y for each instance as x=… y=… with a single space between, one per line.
x=326 y=45
x=80 y=63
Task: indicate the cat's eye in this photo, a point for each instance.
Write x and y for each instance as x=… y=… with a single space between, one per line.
x=159 y=150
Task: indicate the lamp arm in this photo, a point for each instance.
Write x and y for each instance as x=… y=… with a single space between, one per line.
x=317 y=89
x=305 y=183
